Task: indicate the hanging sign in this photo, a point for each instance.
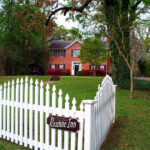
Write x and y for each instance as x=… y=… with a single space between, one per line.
x=63 y=123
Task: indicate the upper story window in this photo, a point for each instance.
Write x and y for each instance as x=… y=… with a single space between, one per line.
x=75 y=53
x=58 y=53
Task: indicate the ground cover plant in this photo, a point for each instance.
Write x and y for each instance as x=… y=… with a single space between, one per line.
x=132 y=126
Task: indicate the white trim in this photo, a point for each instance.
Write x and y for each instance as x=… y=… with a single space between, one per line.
x=72 y=44
x=72 y=67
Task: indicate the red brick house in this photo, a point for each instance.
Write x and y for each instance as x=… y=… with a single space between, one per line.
x=64 y=55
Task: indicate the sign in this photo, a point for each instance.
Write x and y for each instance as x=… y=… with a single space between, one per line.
x=63 y=123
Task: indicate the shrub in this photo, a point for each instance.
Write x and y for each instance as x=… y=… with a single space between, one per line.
x=141 y=84
x=80 y=73
x=64 y=73
x=100 y=72
x=144 y=66
x=138 y=85
x=58 y=72
x=87 y=72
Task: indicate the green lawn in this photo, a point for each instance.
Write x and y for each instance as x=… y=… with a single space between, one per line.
x=131 y=130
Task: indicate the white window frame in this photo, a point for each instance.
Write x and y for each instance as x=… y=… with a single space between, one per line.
x=53 y=67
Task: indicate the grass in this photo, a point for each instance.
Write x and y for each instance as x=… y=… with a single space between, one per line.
x=131 y=130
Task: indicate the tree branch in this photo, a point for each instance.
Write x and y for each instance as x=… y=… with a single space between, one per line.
x=66 y=9
x=133 y=11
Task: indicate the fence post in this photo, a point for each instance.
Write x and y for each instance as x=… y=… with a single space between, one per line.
x=89 y=108
x=114 y=103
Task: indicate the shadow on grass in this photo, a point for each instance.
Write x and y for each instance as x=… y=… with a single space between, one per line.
x=114 y=136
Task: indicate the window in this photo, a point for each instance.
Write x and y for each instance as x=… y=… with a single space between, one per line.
x=54 y=53
x=92 y=67
x=61 y=66
x=52 y=66
x=102 y=67
x=61 y=53
x=75 y=53
x=77 y=47
x=58 y=53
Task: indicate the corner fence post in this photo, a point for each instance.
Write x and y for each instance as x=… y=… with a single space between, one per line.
x=89 y=110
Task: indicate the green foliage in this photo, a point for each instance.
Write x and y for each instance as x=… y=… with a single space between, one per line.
x=144 y=66
x=141 y=84
x=79 y=73
x=92 y=51
x=64 y=73
x=138 y=85
x=61 y=33
x=21 y=37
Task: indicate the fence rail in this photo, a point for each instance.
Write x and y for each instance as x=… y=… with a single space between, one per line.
x=25 y=106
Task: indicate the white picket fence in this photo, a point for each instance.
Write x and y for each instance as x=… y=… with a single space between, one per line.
x=25 y=106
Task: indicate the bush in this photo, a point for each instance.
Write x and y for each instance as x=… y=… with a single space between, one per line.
x=87 y=72
x=90 y=73
x=58 y=72
x=100 y=72
x=79 y=73
x=64 y=73
x=144 y=66
x=138 y=85
x=141 y=84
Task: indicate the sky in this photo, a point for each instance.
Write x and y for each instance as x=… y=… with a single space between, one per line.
x=61 y=20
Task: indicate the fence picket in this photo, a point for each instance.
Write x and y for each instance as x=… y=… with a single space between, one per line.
x=12 y=111
x=60 y=114
x=21 y=111
x=8 y=110
x=53 y=135
x=31 y=114
x=26 y=113
x=47 y=114
x=4 y=112
x=16 y=112
x=41 y=114
x=66 y=134
x=36 y=114
x=73 y=135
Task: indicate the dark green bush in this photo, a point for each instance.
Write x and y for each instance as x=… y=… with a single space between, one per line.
x=79 y=73
x=64 y=73
x=138 y=84
x=144 y=66
x=141 y=84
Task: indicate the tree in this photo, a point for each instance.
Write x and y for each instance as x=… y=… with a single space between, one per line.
x=112 y=10
x=93 y=52
x=23 y=34
x=61 y=33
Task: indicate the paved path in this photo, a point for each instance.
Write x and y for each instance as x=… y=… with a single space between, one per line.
x=49 y=82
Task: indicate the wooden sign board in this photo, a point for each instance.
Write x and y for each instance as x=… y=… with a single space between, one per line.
x=63 y=123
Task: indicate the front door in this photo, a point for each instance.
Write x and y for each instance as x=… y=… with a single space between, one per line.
x=76 y=66
x=76 y=69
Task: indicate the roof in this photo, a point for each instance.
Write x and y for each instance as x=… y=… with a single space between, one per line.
x=60 y=44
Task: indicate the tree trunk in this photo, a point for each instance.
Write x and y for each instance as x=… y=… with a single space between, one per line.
x=112 y=11
x=132 y=84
